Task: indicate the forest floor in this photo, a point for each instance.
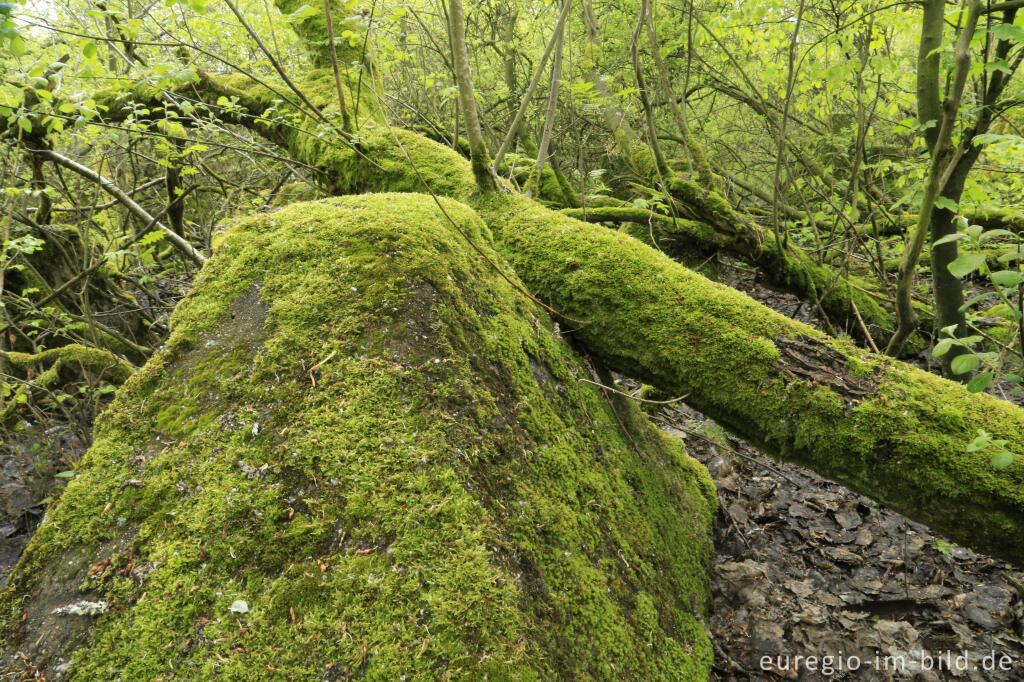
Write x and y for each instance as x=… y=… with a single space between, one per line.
x=804 y=567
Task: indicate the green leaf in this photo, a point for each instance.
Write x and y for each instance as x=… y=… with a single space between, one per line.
x=991 y=234
x=972 y=301
x=998 y=65
x=1007 y=278
x=302 y=13
x=962 y=364
x=25 y=124
x=1001 y=460
x=89 y=50
x=1008 y=32
x=947 y=203
x=980 y=442
x=942 y=347
x=65 y=474
x=980 y=382
x=151 y=238
x=17 y=46
x=948 y=238
x=966 y=264
x=989 y=138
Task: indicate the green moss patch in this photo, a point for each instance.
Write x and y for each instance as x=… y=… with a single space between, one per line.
x=362 y=452
x=873 y=424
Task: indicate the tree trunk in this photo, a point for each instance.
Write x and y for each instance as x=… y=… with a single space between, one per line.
x=869 y=422
x=550 y=111
x=785 y=267
x=460 y=58
x=878 y=426
x=363 y=453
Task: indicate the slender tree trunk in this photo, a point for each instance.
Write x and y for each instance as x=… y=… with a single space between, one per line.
x=467 y=99
x=552 y=108
x=943 y=164
x=346 y=121
x=947 y=289
x=704 y=174
x=175 y=187
x=645 y=100
x=517 y=120
x=929 y=104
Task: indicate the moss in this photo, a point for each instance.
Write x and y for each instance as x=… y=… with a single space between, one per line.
x=676 y=330
x=49 y=367
x=349 y=31
x=362 y=431
x=438 y=133
x=74 y=355
x=293 y=192
x=524 y=170
x=380 y=164
x=876 y=425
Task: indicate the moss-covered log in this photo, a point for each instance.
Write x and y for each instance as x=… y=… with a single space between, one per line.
x=897 y=432
x=840 y=296
x=362 y=453
x=881 y=427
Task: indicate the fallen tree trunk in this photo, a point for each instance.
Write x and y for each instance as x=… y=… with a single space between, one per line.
x=838 y=298
x=363 y=453
x=358 y=430
x=880 y=427
x=934 y=441
x=894 y=431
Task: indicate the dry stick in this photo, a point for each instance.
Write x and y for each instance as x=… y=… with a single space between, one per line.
x=517 y=120
x=101 y=207
x=755 y=460
x=346 y=123
x=636 y=398
x=864 y=328
x=113 y=190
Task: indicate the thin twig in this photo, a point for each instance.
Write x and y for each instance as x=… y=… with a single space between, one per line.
x=639 y=400
x=864 y=327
